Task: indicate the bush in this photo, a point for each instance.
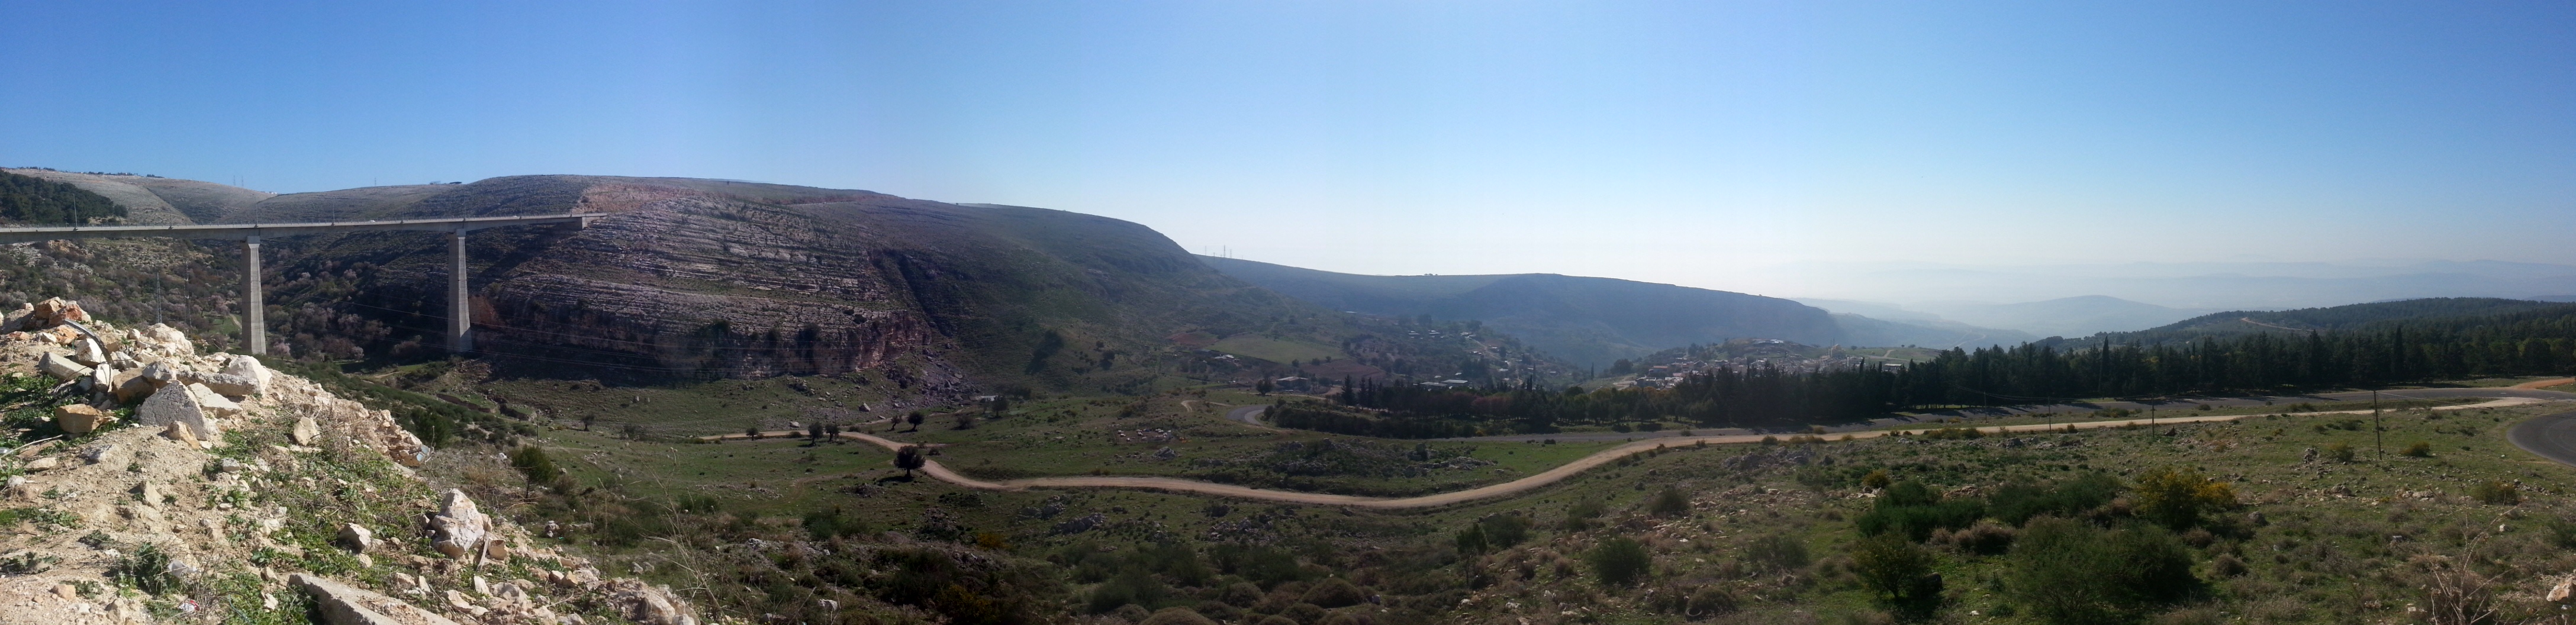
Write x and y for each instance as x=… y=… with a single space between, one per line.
x=532 y=461
x=2420 y=449
x=2496 y=493
x=1878 y=479
x=1579 y=516
x=1177 y=616
x=1620 y=561
x=1900 y=572
x=2070 y=572
x=1984 y=538
x=2178 y=497
x=1129 y=586
x=1240 y=594
x=2016 y=503
x=1709 y=600
x=147 y=569
x=1671 y=502
x=2339 y=452
x=1334 y=593
x=1913 y=510
x=1775 y=552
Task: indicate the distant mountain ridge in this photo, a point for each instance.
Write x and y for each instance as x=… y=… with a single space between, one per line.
x=1585 y=319
x=2332 y=318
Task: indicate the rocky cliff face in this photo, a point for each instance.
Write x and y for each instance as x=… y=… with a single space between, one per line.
x=151 y=482
x=698 y=278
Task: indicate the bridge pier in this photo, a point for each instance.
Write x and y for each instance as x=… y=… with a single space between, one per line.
x=460 y=312
x=254 y=310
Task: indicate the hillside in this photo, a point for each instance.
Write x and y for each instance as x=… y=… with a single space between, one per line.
x=2433 y=310
x=694 y=280
x=1592 y=320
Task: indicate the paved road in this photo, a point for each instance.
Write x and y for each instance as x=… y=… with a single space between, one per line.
x=1551 y=476
x=1249 y=415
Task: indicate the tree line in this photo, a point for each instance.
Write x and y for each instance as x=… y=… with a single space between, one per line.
x=2530 y=343
x=28 y=199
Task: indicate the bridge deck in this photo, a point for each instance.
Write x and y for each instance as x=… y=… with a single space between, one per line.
x=247 y=231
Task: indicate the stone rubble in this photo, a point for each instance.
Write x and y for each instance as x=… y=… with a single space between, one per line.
x=157 y=483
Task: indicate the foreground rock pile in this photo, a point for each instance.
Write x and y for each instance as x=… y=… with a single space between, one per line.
x=165 y=485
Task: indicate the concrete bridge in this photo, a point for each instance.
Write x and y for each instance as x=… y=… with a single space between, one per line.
x=460 y=318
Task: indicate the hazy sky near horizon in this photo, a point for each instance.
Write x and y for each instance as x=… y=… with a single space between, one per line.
x=1688 y=142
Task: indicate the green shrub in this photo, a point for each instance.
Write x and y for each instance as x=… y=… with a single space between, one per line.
x=1901 y=573
x=1177 y=616
x=1620 y=561
x=1579 y=516
x=1670 y=502
x=1913 y=510
x=147 y=569
x=1775 y=552
x=2496 y=493
x=1877 y=479
x=2339 y=452
x=2016 y=503
x=2068 y=572
x=1334 y=593
x=1132 y=586
x=2420 y=449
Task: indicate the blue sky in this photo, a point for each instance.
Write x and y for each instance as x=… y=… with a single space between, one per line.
x=1690 y=142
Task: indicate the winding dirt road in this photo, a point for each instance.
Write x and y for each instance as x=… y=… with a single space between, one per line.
x=1526 y=484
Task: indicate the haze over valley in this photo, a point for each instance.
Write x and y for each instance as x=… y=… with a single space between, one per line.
x=1287 y=313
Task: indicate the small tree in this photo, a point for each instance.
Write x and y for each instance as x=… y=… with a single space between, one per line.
x=909 y=458
x=814 y=431
x=1620 y=561
x=1262 y=386
x=750 y=431
x=833 y=431
x=1900 y=572
x=914 y=419
x=965 y=421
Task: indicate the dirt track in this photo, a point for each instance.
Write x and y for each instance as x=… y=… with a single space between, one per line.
x=1513 y=487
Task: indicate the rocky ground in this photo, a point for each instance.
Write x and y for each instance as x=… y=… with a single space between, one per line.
x=147 y=482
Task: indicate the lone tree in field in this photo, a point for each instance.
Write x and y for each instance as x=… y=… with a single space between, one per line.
x=909 y=458
x=833 y=431
x=914 y=419
x=814 y=430
x=1263 y=386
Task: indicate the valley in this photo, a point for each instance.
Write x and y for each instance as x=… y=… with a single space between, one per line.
x=790 y=404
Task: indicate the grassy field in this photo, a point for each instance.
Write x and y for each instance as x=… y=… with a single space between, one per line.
x=1274 y=350
x=2321 y=551
x=2088 y=416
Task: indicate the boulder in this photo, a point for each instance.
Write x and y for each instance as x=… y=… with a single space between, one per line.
x=342 y=604
x=160 y=374
x=130 y=386
x=55 y=310
x=306 y=431
x=80 y=418
x=462 y=529
x=62 y=335
x=88 y=353
x=250 y=369
x=357 y=537
x=178 y=407
x=15 y=320
x=109 y=454
x=222 y=383
x=45 y=463
x=649 y=604
x=164 y=341
x=213 y=403
x=102 y=379
x=60 y=368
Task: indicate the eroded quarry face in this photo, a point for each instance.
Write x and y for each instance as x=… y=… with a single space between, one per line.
x=150 y=482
